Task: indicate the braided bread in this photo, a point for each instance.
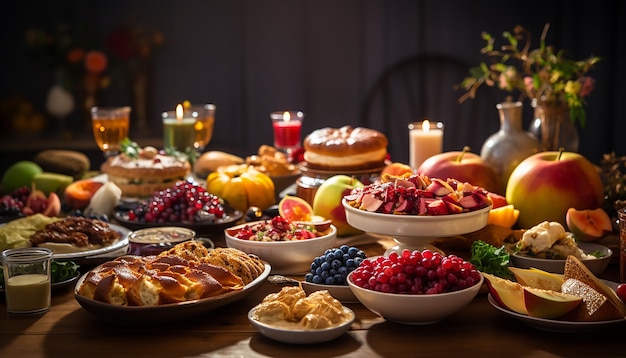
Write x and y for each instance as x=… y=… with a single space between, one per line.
x=188 y=271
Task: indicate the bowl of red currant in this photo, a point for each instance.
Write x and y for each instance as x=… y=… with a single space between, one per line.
x=415 y=287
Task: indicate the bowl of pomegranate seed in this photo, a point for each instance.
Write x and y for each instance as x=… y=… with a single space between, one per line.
x=415 y=287
x=288 y=246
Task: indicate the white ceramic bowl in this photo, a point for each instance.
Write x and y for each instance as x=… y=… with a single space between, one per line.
x=285 y=257
x=414 y=309
x=301 y=336
x=416 y=231
x=596 y=266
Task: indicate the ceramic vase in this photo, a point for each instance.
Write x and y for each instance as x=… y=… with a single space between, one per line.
x=505 y=149
x=553 y=127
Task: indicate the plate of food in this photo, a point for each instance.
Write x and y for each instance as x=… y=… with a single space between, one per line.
x=581 y=302
x=554 y=325
x=313 y=318
x=194 y=288
x=69 y=238
x=170 y=208
x=547 y=245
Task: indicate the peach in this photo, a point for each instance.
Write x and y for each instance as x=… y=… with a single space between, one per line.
x=396 y=169
x=78 y=194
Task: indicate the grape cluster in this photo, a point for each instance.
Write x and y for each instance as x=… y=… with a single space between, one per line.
x=183 y=202
x=334 y=265
x=13 y=203
x=416 y=272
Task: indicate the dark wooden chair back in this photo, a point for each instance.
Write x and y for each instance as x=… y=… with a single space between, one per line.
x=426 y=87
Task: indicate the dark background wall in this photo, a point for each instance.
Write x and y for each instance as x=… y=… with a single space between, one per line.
x=253 y=57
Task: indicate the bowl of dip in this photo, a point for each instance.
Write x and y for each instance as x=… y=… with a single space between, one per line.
x=152 y=241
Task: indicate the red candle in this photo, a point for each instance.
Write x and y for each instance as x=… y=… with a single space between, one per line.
x=287 y=129
x=287 y=134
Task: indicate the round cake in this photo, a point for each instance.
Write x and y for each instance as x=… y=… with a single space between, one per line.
x=345 y=148
x=146 y=173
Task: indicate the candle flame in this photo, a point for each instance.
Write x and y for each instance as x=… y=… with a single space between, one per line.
x=426 y=126
x=179 y=112
x=286 y=116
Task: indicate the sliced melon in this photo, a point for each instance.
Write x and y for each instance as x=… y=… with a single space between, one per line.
x=507 y=294
x=536 y=278
x=588 y=225
x=549 y=304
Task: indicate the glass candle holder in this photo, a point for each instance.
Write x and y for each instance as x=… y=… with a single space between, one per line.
x=287 y=130
x=179 y=131
x=425 y=140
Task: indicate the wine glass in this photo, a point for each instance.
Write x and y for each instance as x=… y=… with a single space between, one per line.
x=205 y=119
x=110 y=127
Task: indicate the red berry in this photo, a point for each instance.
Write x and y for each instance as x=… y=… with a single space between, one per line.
x=621 y=291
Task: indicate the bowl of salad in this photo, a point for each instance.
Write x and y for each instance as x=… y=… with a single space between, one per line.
x=288 y=246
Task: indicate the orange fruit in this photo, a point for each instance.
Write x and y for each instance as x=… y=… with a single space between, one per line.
x=504 y=216
x=294 y=208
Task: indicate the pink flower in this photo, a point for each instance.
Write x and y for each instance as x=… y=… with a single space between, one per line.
x=529 y=84
x=588 y=84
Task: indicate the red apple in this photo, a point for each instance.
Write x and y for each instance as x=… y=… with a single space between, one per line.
x=464 y=166
x=545 y=185
x=327 y=201
x=78 y=194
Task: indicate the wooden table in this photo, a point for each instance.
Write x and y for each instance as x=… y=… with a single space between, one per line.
x=477 y=331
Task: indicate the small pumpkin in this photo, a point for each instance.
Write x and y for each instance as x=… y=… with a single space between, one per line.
x=242 y=186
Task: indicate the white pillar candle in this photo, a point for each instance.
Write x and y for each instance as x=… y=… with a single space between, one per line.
x=425 y=140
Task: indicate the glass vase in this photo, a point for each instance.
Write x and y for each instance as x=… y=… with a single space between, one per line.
x=553 y=127
x=505 y=149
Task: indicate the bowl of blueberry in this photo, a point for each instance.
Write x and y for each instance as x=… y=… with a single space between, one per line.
x=330 y=270
x=415 y=287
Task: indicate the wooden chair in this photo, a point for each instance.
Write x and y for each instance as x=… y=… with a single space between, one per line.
x=424 y=87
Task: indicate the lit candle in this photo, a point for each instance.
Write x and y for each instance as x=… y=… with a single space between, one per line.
x=425 y=140
x=287 y=127
x=178 y=130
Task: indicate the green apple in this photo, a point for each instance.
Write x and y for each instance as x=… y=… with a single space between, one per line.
x=545 y=185
x=464 y=166
x=20 y=174
x=327 y=201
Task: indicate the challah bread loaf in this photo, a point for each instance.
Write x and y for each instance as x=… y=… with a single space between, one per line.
x=248 y=267
x=188 y=271
x=345 y=148
x=155 y=280
x=600 y=302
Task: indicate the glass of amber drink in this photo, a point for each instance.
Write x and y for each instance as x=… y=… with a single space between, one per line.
x=205 y=119
x=110 y=127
